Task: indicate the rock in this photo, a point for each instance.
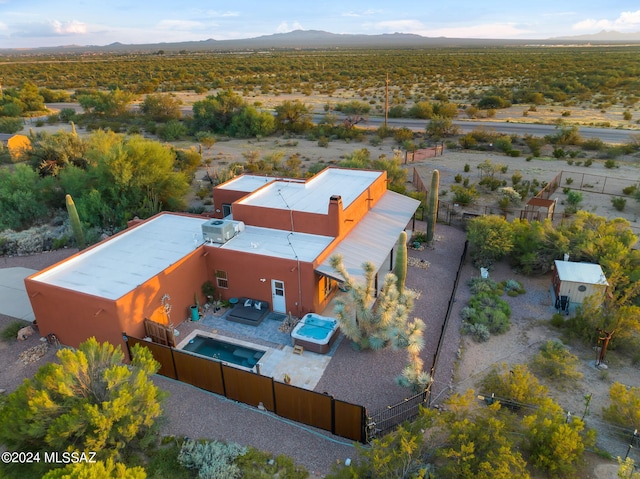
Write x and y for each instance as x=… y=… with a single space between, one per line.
x=25 y=332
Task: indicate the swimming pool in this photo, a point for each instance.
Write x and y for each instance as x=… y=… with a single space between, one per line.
x=315 y=333
x=224 y=351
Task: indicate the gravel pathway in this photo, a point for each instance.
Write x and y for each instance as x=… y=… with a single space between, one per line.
x=366 y=378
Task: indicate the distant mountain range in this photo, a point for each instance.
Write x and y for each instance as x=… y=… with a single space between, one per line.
x=317 y=39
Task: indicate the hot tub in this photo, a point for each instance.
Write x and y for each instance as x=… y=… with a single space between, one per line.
x=315 y=333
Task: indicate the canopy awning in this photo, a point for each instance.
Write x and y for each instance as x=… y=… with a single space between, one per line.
x=373 y=237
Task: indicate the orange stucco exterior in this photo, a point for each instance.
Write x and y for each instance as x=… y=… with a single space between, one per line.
x=74 y=316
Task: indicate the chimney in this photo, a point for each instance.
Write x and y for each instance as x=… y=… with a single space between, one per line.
x=335 y=215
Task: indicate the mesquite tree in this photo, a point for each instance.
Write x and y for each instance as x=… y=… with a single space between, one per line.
x=432 y=212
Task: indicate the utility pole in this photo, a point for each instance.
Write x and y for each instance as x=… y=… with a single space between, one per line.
x=386 y=101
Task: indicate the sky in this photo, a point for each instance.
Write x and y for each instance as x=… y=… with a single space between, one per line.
x=42 y=23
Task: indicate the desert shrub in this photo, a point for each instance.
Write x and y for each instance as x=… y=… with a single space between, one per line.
x=458 y=178
x=557 y=320
x=479 y=332
x=588 y=162
x=10 y=332
x=618 y=203
x=514 y=382
x=479 y=285
x=568 y=181
x=491 y=183
x=467 y=168
x=516 y=178
x=624 y=407
x=610 y=164
x=554 y=361
x=491 y=311
x=463 y=195
x=512 y=287
x=630 y=190
x=212 y=460
x=574 y=198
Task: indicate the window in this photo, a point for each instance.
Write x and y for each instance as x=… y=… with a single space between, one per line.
x=328 y=285
x=221 y=279
x=226 y=209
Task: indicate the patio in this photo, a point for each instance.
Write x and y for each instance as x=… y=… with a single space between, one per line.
x=305 y=369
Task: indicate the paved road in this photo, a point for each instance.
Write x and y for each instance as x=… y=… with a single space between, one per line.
x=607 y=135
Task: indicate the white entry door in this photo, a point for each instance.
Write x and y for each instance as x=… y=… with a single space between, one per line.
x=278 y=302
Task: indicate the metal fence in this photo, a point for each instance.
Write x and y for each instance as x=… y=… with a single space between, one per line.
x=301 y=405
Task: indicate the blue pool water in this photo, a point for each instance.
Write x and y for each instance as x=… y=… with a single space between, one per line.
x=223 y=351
x=316 y=328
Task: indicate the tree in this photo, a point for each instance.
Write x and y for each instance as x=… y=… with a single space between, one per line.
x=97 y=470
x=440 y=127
x=624 y=407
x=215 y=113
x=385 y=324
x=293 y=116
x=52 y=152
x=31 y=98
x=515 y=383
x=161 y=107
x=21 y=198
x=112 y=103
x=476 y=443
x=491 y=238
x=554 y=441
x=249 y=122
x=89 y=402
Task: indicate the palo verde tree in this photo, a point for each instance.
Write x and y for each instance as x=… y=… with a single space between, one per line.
x=90 y=401
x=491 y=238
x=97 y=470
x=293 y=116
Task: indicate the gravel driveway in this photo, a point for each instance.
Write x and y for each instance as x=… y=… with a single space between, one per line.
x=366 y=378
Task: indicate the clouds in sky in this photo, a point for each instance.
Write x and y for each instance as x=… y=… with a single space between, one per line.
x=30 y=23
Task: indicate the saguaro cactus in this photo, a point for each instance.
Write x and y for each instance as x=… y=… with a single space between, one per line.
x=401 y=261
x=76 y=226
x=432 y=212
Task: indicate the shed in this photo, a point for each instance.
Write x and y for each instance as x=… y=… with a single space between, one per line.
x=578 y=281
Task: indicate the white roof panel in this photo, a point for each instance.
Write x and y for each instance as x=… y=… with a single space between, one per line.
x=278 y=243
x=313 y=196
x=117 y=266
x=246 y=183
x=587 y=273
x=374 y=236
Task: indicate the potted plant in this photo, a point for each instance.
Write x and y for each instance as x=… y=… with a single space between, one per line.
x=287 y=378
x=209 y=291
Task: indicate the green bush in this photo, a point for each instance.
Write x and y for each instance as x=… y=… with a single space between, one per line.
x=554 y=361
x=479 y=332
x=618 y=203
x=624 y=407
x=574 y=198
x=610 y=164
x=464 y=196
x=458 y=178
x=212 y=460
x=466 y=167
x=630 y=190
x=10 y=332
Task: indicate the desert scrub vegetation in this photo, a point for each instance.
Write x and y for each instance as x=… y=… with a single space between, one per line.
x=554 y=361
x=486 y=312
x=624 y=405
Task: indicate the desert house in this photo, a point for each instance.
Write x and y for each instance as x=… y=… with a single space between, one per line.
x=271 y=242
x=17 y=145
x=576 y=281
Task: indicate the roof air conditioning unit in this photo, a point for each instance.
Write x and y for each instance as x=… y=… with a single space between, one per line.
x=218 y=231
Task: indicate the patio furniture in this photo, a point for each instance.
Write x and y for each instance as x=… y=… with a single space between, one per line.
x=249 y=311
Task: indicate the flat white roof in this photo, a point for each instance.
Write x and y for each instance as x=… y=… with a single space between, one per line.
x=278 y=243
x=117 y=266
x=246 y=183
x=313 y=196
x=587 y=273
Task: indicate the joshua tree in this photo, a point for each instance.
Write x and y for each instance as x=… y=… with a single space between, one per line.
x=374 y=326
x=76 y=226
x=401 y=261
x=432 y=212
